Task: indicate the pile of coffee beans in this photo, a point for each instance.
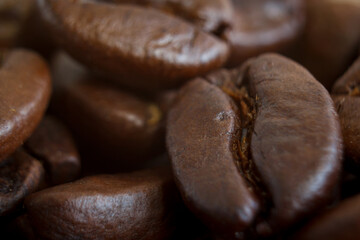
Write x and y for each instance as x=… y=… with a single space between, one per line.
x=174 y=119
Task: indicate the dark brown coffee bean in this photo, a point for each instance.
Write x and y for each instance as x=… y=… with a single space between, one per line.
x=210 y=15
x=339 y=223
x=24 y=94
x=349 y=114
x=106 y=119
x=330 y=41
x=52 y=143
x=141 y=48
x=267 y=156
x=19 y=176
x=347 y=100
x=137 y=205
x=261 y=25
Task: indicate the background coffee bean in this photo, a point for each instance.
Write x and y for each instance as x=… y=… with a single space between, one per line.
x=20 y=175
x=137 y=205
x=261 y=26
x=24 y=94
x=340 y=222
x=118 y=128
x=52 y=143
x=141 y=48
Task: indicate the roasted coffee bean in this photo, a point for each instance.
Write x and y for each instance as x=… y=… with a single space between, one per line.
x=20 y=175
x=137 y=205
x=52 y=144
x=12 y=16
x=210 y=15
x=142 y=48
x=347 y=100
x=261 y=25
x=113 y=123
x=24 y=94
x=338 y=223
x=330 y=41
x=258 y=146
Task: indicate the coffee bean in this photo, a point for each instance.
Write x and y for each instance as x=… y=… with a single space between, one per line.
x=52 y=143
x=19 y=176
x=141 y=48
x=24 y=94
x=137 y=205
x=261 y=26
x=210 y=15
x=113 y=123
x=347 y=101
x=340 y=222
x=330 y=41
x=261 y=147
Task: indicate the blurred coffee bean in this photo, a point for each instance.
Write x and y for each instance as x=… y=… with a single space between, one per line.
x=20 y=175
x=338 y=223
x=138 y=205
x=13 y=14
x=347 y=101
x=52 y=144
x=261 y=25
x=261 y=148
x=115 y=125
x=139 y=47
x=330 y=42
x=209 y=15
x=24 y=94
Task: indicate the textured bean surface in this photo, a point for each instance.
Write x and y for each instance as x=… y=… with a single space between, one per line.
x=139 y=47
x=24 y=94
x=295 y=147
x=136 y=205
x=210 y=15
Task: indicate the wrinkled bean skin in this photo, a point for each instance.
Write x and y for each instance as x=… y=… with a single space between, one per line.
x=117 y=41
x=339 y=223
x=52 y=143
x=295 y=148
x=210 y=15
x=106 y=119
x=136 y=205
x=261 y=26
x=20 y=175
x=24 y=93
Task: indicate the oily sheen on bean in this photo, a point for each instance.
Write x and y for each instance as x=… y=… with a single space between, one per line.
x=265 y=158
x=24 y=93
x=142 y=48
x=138 y=205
